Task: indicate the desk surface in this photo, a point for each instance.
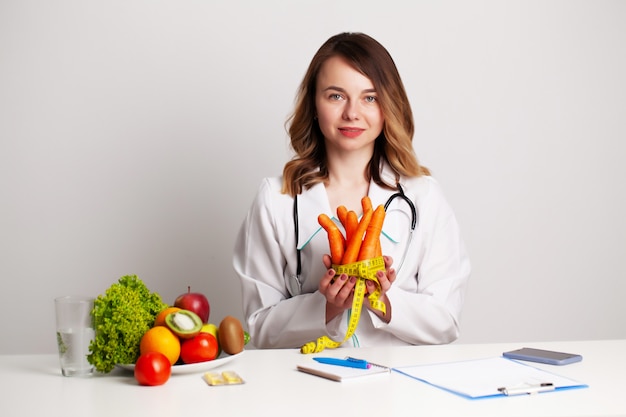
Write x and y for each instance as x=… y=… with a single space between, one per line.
x=33 y=385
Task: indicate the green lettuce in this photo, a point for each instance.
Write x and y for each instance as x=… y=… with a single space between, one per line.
x=121 y=316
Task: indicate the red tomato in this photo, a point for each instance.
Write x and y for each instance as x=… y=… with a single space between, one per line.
x=200 y=348
x=152 y=368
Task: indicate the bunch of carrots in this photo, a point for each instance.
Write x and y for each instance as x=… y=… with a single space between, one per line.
x=362 y=239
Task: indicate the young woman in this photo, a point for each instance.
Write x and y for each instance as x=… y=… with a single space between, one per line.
x=351 y=132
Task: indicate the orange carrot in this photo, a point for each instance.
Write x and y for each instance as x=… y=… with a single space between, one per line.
x=342 y=212
x=354 y=244
x=366 y=204
x=371 y=241
x=352 y=222
x=335 y=238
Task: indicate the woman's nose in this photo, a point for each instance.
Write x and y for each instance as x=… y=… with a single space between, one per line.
x=350 y=111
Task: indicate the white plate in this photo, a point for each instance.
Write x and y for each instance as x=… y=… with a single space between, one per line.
x=194 y=367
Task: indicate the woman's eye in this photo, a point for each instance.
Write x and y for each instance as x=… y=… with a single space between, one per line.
x=335 y=96
x=370 y=99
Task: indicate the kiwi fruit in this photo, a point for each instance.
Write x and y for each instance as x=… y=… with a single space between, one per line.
x=184 y=323
x=231 y=335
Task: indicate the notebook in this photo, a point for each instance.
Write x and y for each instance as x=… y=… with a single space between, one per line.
x=339 y=373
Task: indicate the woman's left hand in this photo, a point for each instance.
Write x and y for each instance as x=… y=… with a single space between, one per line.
x=385 y=279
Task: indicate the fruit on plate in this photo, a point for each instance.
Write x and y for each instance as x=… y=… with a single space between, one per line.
x=212 y=328
x=209 y=328
x=161 y=339
x=196 y=302
x=231 y=335
x=159 y=320
x=152 y=368
x=184 y=323
x=202 y=347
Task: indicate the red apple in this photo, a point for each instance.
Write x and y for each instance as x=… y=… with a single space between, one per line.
x=196 y=302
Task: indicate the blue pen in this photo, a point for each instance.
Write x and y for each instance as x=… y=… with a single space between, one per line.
x=350 y=362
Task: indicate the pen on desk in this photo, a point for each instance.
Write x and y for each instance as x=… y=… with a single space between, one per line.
x=349 y=362
x=527 y=389
x=371 y=363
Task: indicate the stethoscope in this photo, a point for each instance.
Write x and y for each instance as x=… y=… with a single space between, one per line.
x=295 y=282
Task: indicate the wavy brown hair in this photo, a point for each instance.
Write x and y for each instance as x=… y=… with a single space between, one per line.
x=394 y=145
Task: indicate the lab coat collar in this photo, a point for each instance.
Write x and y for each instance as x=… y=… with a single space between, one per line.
x=311 y=203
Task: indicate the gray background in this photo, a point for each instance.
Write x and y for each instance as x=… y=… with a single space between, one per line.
x=134 y=134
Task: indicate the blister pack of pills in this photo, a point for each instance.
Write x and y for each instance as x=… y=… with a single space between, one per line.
x=223 y=378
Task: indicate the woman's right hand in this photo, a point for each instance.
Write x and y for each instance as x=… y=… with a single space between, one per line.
x=339 y=293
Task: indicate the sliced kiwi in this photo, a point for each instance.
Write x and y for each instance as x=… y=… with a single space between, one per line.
x=184 y=323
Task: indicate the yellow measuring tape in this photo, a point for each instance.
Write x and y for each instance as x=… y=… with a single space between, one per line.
x=363 y=270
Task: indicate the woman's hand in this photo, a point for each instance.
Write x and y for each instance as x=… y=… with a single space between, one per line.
x=339 y=293
x=385 y=279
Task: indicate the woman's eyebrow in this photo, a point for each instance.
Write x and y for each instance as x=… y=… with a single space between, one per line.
x=335 y=88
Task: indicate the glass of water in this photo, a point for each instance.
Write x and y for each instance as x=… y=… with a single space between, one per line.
x=75 y=332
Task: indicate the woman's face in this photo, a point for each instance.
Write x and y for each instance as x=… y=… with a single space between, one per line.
x=348 y=112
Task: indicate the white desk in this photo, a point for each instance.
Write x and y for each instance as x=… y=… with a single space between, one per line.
x=31 y=385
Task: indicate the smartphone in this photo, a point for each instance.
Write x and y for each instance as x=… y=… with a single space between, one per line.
x=543 y=356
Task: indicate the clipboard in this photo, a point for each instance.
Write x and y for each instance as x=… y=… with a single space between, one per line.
x=491 y=377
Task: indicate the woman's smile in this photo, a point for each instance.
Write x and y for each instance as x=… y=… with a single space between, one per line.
x=351 y=132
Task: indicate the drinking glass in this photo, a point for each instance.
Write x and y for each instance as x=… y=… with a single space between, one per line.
x=74 y=326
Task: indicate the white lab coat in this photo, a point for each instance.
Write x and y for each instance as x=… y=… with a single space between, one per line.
x=426 y=298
